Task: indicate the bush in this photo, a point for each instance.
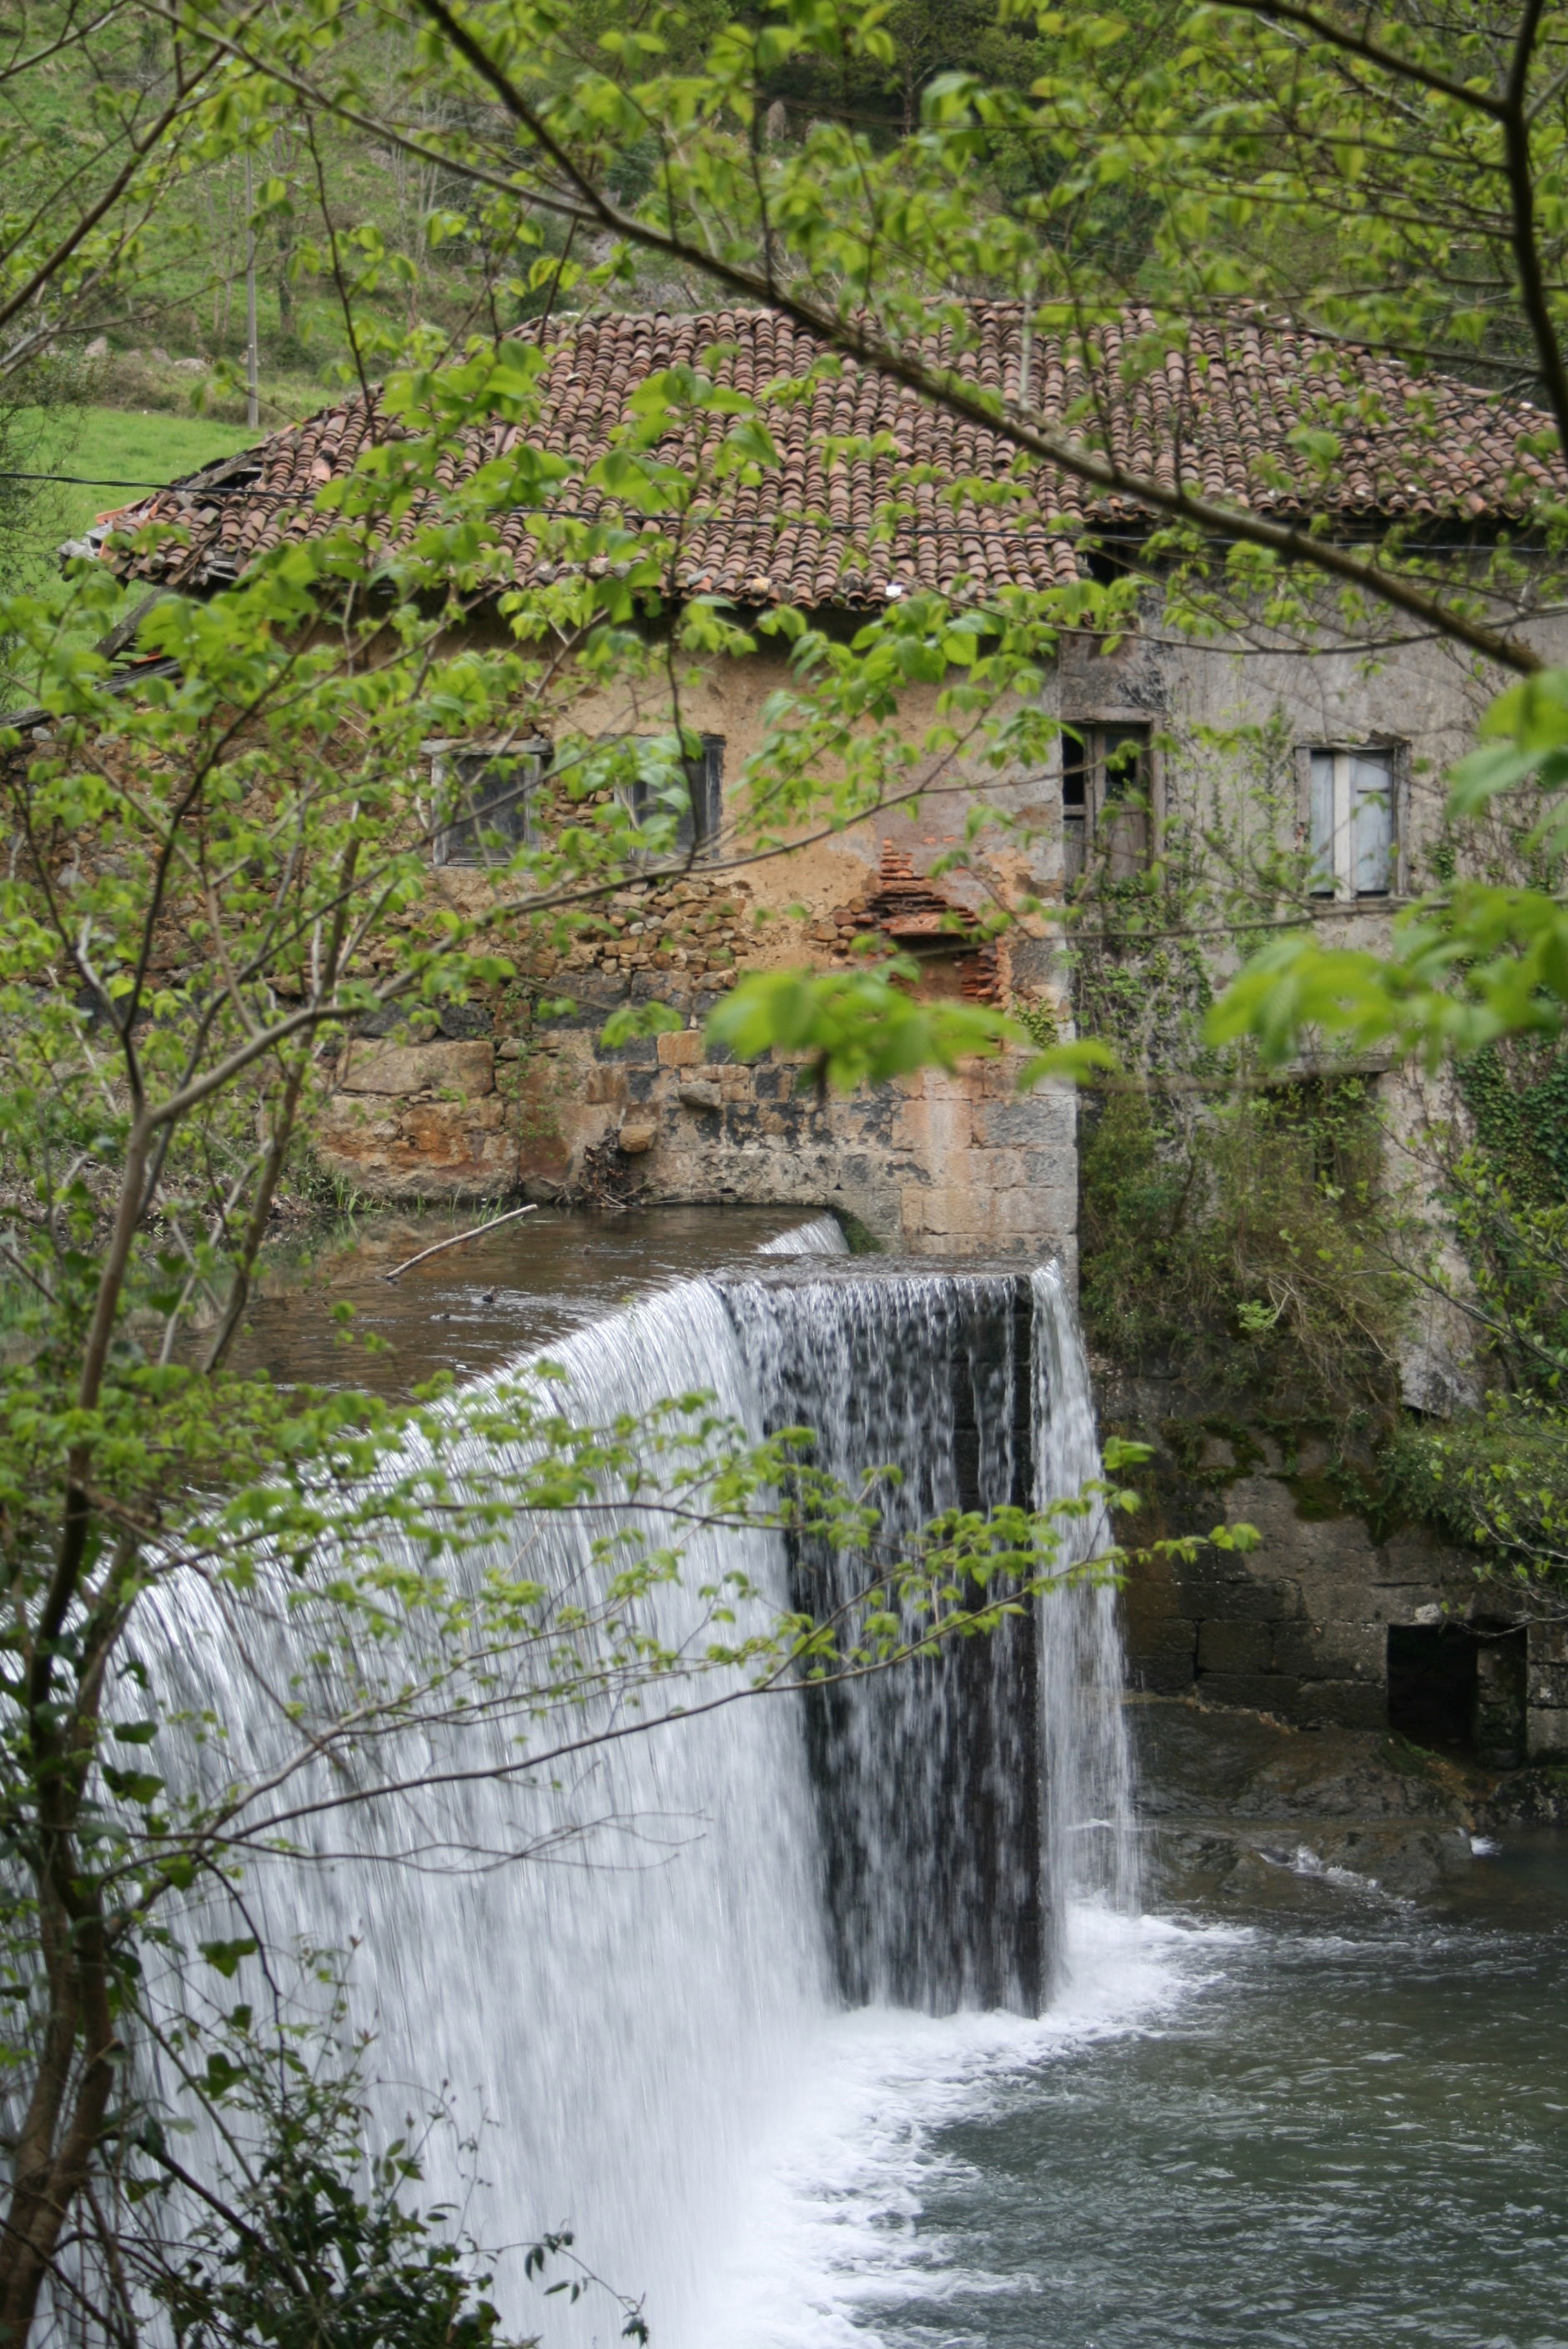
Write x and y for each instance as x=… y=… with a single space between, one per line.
x=1245 y=1240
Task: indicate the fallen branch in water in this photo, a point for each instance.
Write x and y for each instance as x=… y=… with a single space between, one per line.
x=458 y=1238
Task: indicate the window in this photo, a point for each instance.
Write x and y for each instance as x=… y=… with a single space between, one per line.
x=481 y=798
x=698 y=809
x=1351 y=823
x=1107 y=777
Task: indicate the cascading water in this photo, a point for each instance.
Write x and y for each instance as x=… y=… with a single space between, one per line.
x=823 y=1235
x=1091 y=1842
x=621 y=2013
x=927 y=1777
x=626 y=2014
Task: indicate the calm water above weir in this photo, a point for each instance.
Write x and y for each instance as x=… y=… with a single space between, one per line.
x=475 y=1307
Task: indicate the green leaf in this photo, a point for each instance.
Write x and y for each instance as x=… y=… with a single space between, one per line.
x=225 y=1956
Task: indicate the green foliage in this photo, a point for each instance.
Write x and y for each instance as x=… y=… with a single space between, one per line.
x=285 y=2246
x=1495 y=1479
x=865 y=1024
x=216 y=881
x=1246 y=1244
x=1474 y=964
x=1517 y=1096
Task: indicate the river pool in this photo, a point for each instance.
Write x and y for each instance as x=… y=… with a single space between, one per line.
x=1342 y=2124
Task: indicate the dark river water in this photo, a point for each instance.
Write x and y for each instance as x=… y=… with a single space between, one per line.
x=1336 y=2130
x=473 y=1307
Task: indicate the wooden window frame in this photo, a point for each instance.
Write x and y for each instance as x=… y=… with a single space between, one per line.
x=1335 y=884
x=458 y=842
x=1084 y=819
x=705 y=781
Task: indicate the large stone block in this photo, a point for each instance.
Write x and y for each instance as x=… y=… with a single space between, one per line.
x=1548 y=1683
x=1029 y=1124
x=400 y=1071
x=1547 y=1731
x=1256 y=1692
x=1208 y=1589
x=1161 y=1655
x=422 y=1150
x=1332 y=1651
x=1340 y=1704
x=1051 y=1169
x=1233 y=1647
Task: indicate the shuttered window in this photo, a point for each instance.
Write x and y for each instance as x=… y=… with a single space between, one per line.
x=1105 y=800
x=697 y=809
x=1351 y=823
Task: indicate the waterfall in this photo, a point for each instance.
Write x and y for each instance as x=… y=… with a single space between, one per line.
x=621 y=2013
x=927 y=1777
x=625 y=2012
x=1091 y=1842
x=823 y=1235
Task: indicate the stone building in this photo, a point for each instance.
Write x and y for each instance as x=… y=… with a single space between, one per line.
x=1157 y=726
x=937 y=1165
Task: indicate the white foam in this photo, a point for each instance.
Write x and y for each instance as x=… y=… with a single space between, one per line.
x=828 y=2246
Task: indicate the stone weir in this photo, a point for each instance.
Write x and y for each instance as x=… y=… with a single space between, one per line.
x=928 y=1778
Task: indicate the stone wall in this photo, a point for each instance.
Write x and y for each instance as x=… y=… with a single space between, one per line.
x=1299 y=1626
x=933 y=1165
x=939 y=1163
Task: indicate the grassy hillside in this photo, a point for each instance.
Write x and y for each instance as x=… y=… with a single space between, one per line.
x=114 y=445
x=106 y=446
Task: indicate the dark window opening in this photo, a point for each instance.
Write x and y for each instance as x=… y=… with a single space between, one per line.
x=1074 y=806
x=1332 y=1118
x=700 y=810
x=1461 y=1689
x=1106 y=799
x=483 y=803
x=1432 y=1684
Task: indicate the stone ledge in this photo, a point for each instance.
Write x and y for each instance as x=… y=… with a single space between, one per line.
x=400 y=1071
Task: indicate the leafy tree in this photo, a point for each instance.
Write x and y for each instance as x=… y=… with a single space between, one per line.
x=218 y=879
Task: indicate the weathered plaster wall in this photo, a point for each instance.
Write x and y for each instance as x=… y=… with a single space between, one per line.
x=935 y=1163
x=938 y=1163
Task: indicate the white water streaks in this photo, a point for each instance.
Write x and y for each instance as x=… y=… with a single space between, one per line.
x=927 y=1777
x=619 y=2021
x=823 y=1235
x=831 y=2253
x=630 y=2023
x=1090 y=1823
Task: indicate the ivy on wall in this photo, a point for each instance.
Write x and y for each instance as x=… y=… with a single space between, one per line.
x=1517 y=1096
x=1233 y=1230
x=1240 y=1242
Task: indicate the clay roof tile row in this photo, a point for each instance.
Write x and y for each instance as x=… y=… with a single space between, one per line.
x=1217 y=414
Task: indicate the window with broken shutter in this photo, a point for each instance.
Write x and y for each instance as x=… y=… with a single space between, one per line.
x=698 y=809
x=1107 y=799
x=483 y=796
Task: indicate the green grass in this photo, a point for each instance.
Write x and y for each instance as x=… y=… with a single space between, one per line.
x=106 y=446
x=117 y=445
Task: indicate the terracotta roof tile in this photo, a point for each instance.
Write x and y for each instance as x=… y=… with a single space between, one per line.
x=1217 y=415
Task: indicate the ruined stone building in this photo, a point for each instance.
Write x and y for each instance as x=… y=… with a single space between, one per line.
x=1158 y=729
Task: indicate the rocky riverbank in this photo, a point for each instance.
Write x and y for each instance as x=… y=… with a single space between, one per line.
x=1239 y=1806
